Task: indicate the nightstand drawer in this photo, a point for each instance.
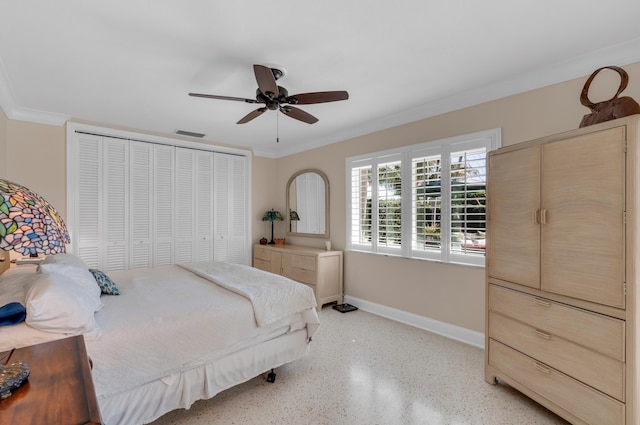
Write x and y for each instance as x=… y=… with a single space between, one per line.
x=595 y=331
x=592 y=368
x=588 y=404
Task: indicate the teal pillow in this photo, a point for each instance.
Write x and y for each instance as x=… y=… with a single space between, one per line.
x=107 y=286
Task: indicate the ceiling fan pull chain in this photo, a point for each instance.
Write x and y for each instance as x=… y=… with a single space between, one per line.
x=277 y=128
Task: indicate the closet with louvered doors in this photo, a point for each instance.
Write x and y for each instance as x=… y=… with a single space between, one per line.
x=134 y=203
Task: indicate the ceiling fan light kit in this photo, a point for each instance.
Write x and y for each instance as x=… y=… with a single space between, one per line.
x=275 y=97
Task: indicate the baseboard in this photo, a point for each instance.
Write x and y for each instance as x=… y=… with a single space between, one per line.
x=441 y=328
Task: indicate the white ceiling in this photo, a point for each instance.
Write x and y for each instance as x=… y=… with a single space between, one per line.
x=132 y=63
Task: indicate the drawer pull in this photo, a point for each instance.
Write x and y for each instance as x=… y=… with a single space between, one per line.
x=542 y=334
x=542 y=302
x=543 y=368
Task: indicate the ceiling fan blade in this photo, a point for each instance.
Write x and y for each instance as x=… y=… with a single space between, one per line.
x=298 y=114
x=317 y=97
x=213 y=96
x=266 y=81
x=251 y=115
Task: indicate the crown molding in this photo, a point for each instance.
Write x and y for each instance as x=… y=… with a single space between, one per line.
x=15 y=112
x=575 y=67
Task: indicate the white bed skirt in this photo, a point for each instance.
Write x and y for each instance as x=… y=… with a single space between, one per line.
x=148 y=402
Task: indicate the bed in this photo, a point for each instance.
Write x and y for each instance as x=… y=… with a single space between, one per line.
x=171 y=335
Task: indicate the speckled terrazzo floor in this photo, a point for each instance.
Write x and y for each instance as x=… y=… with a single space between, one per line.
x=367 y=370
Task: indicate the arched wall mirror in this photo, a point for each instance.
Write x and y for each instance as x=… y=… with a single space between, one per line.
x=308 y=204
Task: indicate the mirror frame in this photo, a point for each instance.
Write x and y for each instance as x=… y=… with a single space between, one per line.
x=324 y=235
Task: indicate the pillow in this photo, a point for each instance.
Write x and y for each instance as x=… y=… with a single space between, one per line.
x=74 y=271
x=13 y=283
x=107 y=286
x=63 y=258
x=58 y=304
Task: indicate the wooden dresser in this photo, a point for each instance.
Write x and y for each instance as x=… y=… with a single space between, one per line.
x=562 y=272
x=59 y=389
x=320 y=269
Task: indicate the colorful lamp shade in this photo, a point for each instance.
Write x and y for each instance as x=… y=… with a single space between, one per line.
x=28 y=223
x=272 y=216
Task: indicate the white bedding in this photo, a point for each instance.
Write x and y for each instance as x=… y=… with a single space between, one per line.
x=273 y=297
x=167 y=320
x=169 y=326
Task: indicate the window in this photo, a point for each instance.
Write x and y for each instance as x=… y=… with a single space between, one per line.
x=422 y=201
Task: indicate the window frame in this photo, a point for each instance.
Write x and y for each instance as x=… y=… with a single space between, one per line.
x=488 y=139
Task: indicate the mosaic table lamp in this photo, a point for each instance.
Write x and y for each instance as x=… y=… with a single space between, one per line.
x=28 y=223
x=272 y=216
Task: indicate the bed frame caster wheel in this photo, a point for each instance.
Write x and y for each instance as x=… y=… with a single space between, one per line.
x=271 y=376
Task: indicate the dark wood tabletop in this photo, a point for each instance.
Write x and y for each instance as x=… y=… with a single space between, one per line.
x=59 y=389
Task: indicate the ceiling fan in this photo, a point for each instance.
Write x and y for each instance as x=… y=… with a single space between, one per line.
x=275 y=97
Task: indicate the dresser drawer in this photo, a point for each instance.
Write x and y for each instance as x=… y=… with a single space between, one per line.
x=588 y=366
x=261 y=253
x=590 y=405
x=300 y=267
x=306 y=262
x=595 y=331
x=261 y=264
x=301 y=275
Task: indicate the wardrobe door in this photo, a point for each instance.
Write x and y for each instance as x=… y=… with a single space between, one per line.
x=583 y=207
x=514 y=200
x=141 y=157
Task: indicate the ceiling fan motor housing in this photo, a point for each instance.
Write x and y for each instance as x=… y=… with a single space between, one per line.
x=274 y=103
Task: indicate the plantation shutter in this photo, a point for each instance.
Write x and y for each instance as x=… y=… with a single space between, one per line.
x=389 y=206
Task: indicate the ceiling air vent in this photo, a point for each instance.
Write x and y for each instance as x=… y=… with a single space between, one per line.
x=189 y=133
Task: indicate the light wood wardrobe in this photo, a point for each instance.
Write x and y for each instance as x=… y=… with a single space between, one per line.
x=562 y=271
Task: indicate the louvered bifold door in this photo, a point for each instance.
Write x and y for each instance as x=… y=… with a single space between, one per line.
x=203 y=206
x=184 y=205
x=163 y=201
x=141 y=157
x=238 y=246
x=116 y=204
x=230 y=207
x=88 y=199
